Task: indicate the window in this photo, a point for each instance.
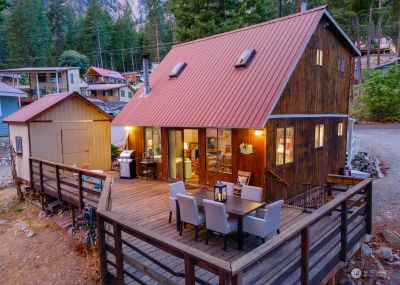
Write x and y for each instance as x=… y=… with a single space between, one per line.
x=341 y=64
x=219 y=150
x=130 y=94
x=42 y=77
x=284 y=145
x=320 y=56
x=319 y=135
x=245 y=58
x=53 y=77
x=18 y=144
x=178 y=68
x=122 y=93
x=340 y=129
x=153 y=143
x=71 y=77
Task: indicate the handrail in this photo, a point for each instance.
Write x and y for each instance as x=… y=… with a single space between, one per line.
x=280 y=179
x=252 y=257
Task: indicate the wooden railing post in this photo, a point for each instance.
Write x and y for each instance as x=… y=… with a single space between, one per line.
x=189 y=271
x=102 y=247
x=41 y=184
x=31 y=174
x=119 y=258
x=237 y=279
x=224 y=278
x=80 y=190
x=343 y=231
x=58 y=182
x=305 y=256
x=369 y=208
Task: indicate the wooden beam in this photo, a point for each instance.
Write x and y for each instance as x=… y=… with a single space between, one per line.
x=119 y=262
x=343 y=232
x=189 y=270
x=305 y=256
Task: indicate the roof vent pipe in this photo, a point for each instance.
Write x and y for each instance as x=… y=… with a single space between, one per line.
x=146 y=74
x=303 y=7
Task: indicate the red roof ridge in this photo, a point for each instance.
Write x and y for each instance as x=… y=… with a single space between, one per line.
x=253 y=26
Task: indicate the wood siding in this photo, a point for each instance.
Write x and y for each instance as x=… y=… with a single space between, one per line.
x=22 y=160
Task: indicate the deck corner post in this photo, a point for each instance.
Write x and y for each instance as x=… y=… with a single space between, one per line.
x=41 y=184
x=189 y=270
x=119 y=257
x=237 y=279
x=305 y=256
x=31 y=174
x=58 y=182
x=102 y=249
x=80 y=190
x=343 y=232
x=369 y=208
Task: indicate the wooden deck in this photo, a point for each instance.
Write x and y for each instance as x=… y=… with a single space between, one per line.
x=146 y=203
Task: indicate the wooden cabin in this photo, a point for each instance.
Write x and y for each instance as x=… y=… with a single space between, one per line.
x=270 y=99
x=63 y=128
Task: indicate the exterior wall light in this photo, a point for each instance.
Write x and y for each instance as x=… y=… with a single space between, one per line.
x=258 y=132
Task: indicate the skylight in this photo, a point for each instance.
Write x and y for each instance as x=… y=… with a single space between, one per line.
x=245 y=58
x=178 y=68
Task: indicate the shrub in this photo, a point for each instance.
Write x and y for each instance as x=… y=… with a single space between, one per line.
x=114 y=152
x=381 y=95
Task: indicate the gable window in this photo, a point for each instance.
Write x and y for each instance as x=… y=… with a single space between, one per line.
x=54 y=78
x=319 y=135
x=42 y=77
x=284 y=145
x=130 y=94
x=340 y=129
x=71 y=77
x=18 y=145
x=122 y=93
x=219 y=150
x=153 y=143
x=320 y=57
x=341 y=64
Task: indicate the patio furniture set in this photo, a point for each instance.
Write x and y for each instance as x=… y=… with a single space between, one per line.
x=244 y=214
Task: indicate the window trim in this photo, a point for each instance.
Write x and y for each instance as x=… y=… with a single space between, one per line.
x=340 y=129
x=284 y=145
x=152 y=139
x=320 y=143
x=218 y=169
x=341 y=64
x=17 y=149
x=320 y=57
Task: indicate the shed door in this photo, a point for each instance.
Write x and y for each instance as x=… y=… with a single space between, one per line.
x=75 y=146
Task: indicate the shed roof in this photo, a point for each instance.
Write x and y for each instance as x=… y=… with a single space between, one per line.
x=44 y=104
x=104 y=72
x=211 y=92
x=7 y=90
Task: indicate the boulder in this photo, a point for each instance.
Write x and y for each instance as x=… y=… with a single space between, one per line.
x=386 y=253
x=366 y=250
x=393 y=238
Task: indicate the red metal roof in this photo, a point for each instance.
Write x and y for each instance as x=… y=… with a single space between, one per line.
x=45 y=103
x=106 y=72
x=210 y=92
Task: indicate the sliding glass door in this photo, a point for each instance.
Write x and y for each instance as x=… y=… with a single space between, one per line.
x=175 y=154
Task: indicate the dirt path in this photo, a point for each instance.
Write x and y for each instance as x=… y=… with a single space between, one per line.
x=49 y=257
x=384 y=142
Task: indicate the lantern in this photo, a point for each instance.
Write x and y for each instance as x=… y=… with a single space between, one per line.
x=220 y=192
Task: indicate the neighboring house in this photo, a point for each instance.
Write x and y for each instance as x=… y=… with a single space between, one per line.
x=107 y=85
x=271 y=99
x=386 y=47
x=110 y=107
x=49 y=80
x=65 y=128
x=386 y=66
x=10 y=101
x=132 y=77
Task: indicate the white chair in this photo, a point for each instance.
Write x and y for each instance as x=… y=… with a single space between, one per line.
x=217 y=220
x=230 y=187
x=174 y=189
x=265 y=222
x=252 y=193
x=190 y=213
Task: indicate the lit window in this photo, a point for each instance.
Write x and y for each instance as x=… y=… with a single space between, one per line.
x=340 y=129
x=18 y=145
x=284 y=145
x=341 y=64
x=319 y=135
x=320 y=56
x=153 y=143
x=219 y=150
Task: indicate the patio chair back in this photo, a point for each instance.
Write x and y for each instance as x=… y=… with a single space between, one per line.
x=252 y=193
x=188 y=209
x=175 y=189
x=230 y=187
x=216 y=216
x=272 y=216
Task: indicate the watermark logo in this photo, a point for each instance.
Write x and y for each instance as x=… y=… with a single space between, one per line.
x=356 y=273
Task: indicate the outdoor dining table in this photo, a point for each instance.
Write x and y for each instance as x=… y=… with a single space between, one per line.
x=236 y=207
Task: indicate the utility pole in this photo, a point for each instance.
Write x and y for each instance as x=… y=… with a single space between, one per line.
x=123 y=60
x=369 y=38
x=157 y=43
x=112 y=61
x=279 y=8
x=133 y=62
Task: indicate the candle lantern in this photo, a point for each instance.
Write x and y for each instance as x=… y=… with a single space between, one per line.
x=220 y=192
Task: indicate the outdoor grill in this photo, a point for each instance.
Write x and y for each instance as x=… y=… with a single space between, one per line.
x=127 y=164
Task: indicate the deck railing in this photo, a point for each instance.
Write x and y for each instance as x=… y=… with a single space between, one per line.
x=73 y=185
x=295 y=256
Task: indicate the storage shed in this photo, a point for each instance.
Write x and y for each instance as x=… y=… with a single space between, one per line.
x=65 y=128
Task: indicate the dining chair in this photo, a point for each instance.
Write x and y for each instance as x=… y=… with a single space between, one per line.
x=174 y=189
x=230 y=187
x=190 y=213
x=252 y=193
x=217 y=220
x=265 y=222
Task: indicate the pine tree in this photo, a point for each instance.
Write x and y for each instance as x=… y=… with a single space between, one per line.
x=28 y=33
x=57 y=15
